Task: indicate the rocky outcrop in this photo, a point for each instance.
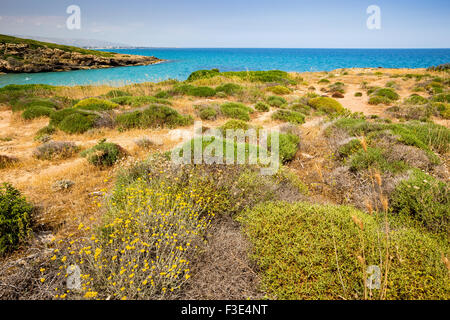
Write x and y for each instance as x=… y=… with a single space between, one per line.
x=23 y=57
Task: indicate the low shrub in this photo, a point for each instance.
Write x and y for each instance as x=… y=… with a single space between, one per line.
x=325 y=104
x=289 y=144
x=77 y=123
x=236 y=110
x=289 y=116
x=229 y=88
x=201 y=92
x=424 y=199
x=116 y=93
x=387 y=93
x=349 y=148
x=55 y=150
x=235 y=125
x=415 y=99
x=139 y=101
x=280 y=90
x=262 y=107
x=37 y=112
x=6 y=161
x=323 y=81
x=94 y=104
x=276 y=101
x=444 y=97
x=307 y=251
x=208 y=113
x=374 y=158
x=104 y=154
x=358 y=94
x=15 y=218
x=152 y=117
x=300 y=107
x=379 y=100
x=203 y=74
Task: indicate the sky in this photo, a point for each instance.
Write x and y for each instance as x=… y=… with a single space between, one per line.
x=236 y=23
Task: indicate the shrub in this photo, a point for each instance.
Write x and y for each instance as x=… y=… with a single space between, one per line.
x=387 y=93
x=203 y=74
x=94 y=104
x=379 y=100
x=236 y=110
x=229 y=88
x=201 y=92
x=77 y=123
x=309 y=251
x=349 y=148
x=374 y=158
x=415 y=99
x=58 y=116
x=104 y=154
x=55 y=150
x=441 y=98
x=152 y=117
x=358 y=94
x=325 y=104
x=262 y=107
x=280 y=90
x=15 y=218
x=116 y=93
x=162 y=95
x=323 y=81
x=25 y=103
x=288 y=144
x=37 y=112
x=208 y=113
x=139 y=101
x=276 y=101
x=424 y=199
x=235 y=125
x=300 y=107
x=289 y=116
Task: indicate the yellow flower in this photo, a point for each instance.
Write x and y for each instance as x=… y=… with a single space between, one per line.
x=90 y=294
x=42 y=280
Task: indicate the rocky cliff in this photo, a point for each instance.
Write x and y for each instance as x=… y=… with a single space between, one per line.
x=34 y=56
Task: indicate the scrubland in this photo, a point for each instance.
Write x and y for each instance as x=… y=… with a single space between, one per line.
x=89 y=186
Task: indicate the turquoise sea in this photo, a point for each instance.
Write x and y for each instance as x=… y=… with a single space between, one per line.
x=181 y=62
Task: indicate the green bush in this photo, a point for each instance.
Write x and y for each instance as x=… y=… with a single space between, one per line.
x=325 y=104
x=358 y=94
x=387 y=93
x=310 y=252
x=15 y=218
x=77 y=123
x=415 y=99
x=235 y=125
x=323 y=81
x=37 y=112
x=103 y=154
x=58 y=116
x=203 y=74
x=280 y=90
x=229 y=88
x=139 y=101
x=94 y=104
x=276 y=101
x=208 y=113
x=441 y=98
x=262 y=107
x=152 y=117
x=374 y=158
x=349 y=148
x=300 y=107
x=379 y=100
x=288 y=146
x=289 y=116
x=116 y=93
x=201 y=92
x=236 y=110
x=424 y=199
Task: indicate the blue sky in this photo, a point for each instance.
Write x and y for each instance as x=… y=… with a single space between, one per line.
x=237 y=23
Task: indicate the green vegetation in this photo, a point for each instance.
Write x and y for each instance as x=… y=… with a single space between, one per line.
x=280 y=90
x=39 y=44
x=382 y=95
x=236 y=110
x=229 y=88
x=235 y=125
x=358 y=94
x=94 y=104
x=208 y=113
x=424 y=199
x=276 y=101
x=300 y=107
x=252 y=76
x=325 y=104
x=15 y=218
x=37 y=112
x=103 y=154
x=375 y=158
x=289 y=144
x=262 y=107
x=289 y=116
x=139 y=101
x=152 y=117
x=77 y=123
x=309 y=251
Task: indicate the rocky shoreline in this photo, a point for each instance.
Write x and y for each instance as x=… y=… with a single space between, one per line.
x=22 y=57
